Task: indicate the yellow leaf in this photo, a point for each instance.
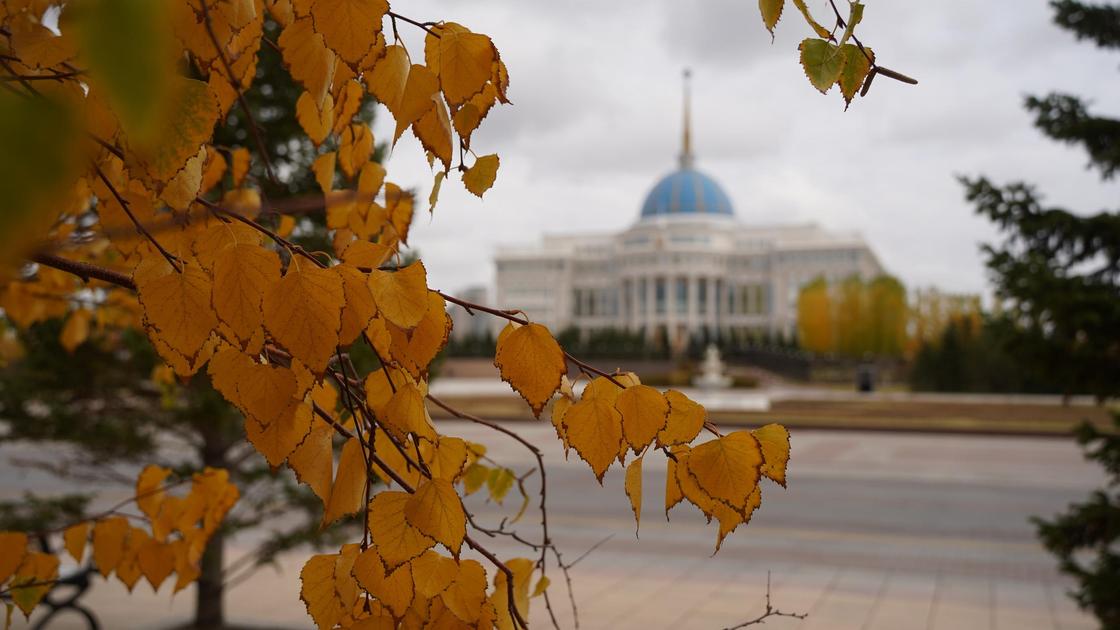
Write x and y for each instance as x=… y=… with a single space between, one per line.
x=480 y=176
x=405 y=414
x=645 y=411
x=241 y=162
x=389 y=78
x=522 y=570
x=36 y=568
x=287 y=224
x=349 y=102
x=730 y=519
x=74 y=537
x=176 y=305
x=499 y=483
x=433 y=197
x=277 y=439
x=822 y=62
x=308 y=59
x=418 y=98
x=76 y=330
x=216 y=238
x=673 y=494
x=465 y=597
x=266 y=392
x=317 y=590
x=182 y=132
x=771 y=12
x=365 y=254
x=311 y=461
x=109 y=536
x=348 y=490
x=393 y=589
x=304 y=313
x=433 y=573
x=463 y=62
x=686 y=419
x=242 y=274
x=345 y=586
x=542 y=586
x=399 y=204
x=448 y=458
x=149 y=489
x=633 y=487
x=13 y=549
x=349 y=27
x=559 y=409
x=358 y=308
x=426 y=340
x=728 y=467
x=856 y=67
x=474 y=478
x=595 y=431
x=401 y=296
x=608 y=389
x=392 y=458
x=355 y=148
x=499 y=77
x=316 y=122
x=436 y=511
x=817 y=28
x=433 y=130
x=156 y=561
x=323 y=167
x=469 y=115
x=774 y=440
x=370 y=179
x=397 y=541
x=531 y=361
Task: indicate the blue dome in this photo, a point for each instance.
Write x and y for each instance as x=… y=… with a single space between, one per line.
x=686 y=191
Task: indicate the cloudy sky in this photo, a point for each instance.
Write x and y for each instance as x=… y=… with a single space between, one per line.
x=596 y=121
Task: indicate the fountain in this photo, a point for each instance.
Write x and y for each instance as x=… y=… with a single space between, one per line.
x=711 y=371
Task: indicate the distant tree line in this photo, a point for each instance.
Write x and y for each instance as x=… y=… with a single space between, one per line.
x=854 y=317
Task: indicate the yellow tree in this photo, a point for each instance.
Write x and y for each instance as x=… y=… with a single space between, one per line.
x=888 y=316
x=816 y=327
x=118 y=199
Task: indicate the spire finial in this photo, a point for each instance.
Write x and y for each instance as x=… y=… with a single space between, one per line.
x=686 y=144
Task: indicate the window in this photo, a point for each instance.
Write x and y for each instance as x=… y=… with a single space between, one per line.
x=642 y=306
x=702 y=295
x=682 y=295
x=659 y=290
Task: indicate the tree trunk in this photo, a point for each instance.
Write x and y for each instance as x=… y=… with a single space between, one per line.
x=209 y=609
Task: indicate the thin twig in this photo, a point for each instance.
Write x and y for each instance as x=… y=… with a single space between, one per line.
x=171 y=258
x=769 y=612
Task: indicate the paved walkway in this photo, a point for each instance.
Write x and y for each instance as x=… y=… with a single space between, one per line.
x=876 y=532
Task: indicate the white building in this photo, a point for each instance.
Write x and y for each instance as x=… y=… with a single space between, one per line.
x=687 y=267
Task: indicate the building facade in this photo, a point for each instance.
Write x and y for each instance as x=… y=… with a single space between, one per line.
x=686 y=268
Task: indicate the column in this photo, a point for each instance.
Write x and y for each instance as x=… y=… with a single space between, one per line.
x=693 y=320
x=712 y=318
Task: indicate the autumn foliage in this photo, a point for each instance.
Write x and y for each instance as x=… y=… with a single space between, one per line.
x=133 y=217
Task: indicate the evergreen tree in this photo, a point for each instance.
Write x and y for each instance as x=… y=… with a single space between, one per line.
x=1059 y=273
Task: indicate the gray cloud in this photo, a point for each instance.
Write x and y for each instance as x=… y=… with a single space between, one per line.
x=596 y=121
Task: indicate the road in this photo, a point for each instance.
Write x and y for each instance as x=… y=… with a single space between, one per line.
x=875 y=531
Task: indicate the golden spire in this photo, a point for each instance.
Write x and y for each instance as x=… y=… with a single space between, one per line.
x=686 y=145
